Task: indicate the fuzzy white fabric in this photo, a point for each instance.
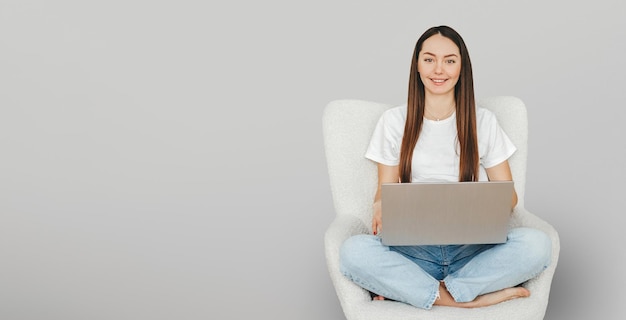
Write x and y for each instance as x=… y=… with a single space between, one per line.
x=347 y=128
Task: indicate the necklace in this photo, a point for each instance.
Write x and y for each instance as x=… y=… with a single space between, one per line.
x=447 y=114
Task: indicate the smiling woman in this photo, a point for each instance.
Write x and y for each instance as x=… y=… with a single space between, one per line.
x=439 y=66
x=441 y=135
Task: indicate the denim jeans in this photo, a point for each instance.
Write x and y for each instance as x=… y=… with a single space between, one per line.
x=411 y=274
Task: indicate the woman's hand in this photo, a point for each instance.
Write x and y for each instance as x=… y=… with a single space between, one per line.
x=377 y=220
x=502 y=172
x=386 y=174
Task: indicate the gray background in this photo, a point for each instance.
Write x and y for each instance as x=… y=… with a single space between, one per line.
x=164 y=159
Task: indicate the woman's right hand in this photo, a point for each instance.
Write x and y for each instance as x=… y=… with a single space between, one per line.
x=377 y=220
x=386 y=174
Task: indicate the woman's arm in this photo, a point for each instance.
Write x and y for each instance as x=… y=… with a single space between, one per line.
x=502 y=172
x=386 y=174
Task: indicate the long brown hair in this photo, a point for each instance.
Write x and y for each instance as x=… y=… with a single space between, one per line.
x=465 y=110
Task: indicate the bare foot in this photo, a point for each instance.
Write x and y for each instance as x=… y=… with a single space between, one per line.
x=500 y=296
x=377 y=297
x=482 y=300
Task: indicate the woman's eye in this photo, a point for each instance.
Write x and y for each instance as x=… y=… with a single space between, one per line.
x=450 y=61
x=428 y=60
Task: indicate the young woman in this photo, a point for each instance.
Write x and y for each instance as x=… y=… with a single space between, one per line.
x=440 y=135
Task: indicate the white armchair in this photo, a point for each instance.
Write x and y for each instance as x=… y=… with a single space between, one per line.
x=347 y=127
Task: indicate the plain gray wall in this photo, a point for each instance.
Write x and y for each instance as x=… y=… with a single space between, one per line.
x=164 y=159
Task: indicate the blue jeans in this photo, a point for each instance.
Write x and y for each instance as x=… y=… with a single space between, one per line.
x=411 y=274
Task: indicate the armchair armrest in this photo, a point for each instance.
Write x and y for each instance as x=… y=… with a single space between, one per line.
x=540 y=285
x=343 y=227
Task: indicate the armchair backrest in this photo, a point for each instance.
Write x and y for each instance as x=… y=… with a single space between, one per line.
x=348 y=126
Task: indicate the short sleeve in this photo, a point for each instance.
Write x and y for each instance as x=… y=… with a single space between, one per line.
x=495 y=146
x=384 y=146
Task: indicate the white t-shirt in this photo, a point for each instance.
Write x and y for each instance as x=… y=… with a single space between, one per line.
x=436 y=156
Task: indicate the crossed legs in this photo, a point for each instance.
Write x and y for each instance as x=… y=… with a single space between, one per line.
x=483 y=278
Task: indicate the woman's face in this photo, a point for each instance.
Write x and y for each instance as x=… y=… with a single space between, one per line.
x=439 y=65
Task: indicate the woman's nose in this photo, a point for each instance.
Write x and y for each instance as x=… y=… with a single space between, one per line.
x=439 y=67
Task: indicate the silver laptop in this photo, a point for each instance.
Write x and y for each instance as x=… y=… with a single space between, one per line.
x=441 y=213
